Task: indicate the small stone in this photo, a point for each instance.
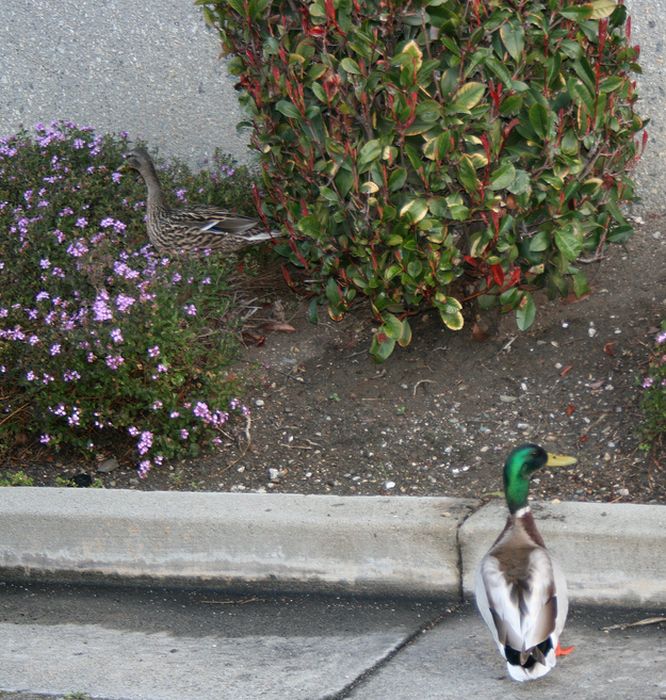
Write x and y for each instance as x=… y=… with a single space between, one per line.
x=623 y=492
x=508 y=399
x=108 y=465
x=388 y=485
x=591 y=332
x=259 y=402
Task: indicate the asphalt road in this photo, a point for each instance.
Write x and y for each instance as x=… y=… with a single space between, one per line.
x=134 y=644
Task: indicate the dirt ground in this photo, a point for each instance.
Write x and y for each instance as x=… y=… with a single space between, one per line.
x=439 y=417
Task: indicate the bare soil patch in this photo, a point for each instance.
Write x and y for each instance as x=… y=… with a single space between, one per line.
x=439 y=417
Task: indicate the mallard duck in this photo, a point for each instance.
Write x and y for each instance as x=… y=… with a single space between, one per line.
x=195 y=227
x=520 y=590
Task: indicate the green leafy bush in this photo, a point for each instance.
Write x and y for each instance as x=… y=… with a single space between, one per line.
x=654 y=396
x=431 y=152
x=101 y=338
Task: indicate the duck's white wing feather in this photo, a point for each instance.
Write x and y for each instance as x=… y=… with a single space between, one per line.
x=520 y=595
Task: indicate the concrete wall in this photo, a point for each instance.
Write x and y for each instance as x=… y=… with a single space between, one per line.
x=151 y=68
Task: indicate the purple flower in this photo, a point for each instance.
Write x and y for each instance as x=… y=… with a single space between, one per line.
x=114 y=361
x=174 y=414
x=177 y=277
x=30 y=376
x=184 y=433
x=145 y=442
x=45 y=263
x=144 y=468
x=116 y=177
x=75 y=417
x=201 y=410
x=54 y=349
x=77 y=249
x=45 y=439
x=190 y=309
x=154 y=351
x=118 y=226
x=180 y=195
x=101 y=310
x=161 y=368
x=81 y=222
x=661 y=338
x=71 y=375
x=157 y=405
x=116 y=335
x=648 y=382
x=123 y=302
x=33 y=340
x=133 y=430
x=124 y=270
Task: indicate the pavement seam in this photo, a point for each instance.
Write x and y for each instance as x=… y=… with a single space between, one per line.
x=352 y=686
x=461 y=563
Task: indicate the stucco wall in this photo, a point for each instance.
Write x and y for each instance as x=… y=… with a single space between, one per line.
x=150 y=68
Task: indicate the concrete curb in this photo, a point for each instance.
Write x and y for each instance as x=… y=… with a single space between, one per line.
x=278 y=541
x=367 y=545
x=610 y=553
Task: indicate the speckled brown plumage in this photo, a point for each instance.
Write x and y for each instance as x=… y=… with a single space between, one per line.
x=192 y=228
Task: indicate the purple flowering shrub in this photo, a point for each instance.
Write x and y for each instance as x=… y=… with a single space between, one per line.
x=101 y=338
x=654 y=396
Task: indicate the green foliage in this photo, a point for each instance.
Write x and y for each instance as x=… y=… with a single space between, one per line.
x=19 y=478
x=653 y=402
x=101 y=338
x=430 y=152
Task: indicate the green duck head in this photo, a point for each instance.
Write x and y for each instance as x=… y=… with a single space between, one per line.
x=518 y=469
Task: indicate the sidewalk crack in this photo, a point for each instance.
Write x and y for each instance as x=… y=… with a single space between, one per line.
x=373 y=670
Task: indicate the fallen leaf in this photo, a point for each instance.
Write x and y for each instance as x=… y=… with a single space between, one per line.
x=569 y=410
x=609 y=348
x=254 y=338
x=566 y=370
x=278 y=326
